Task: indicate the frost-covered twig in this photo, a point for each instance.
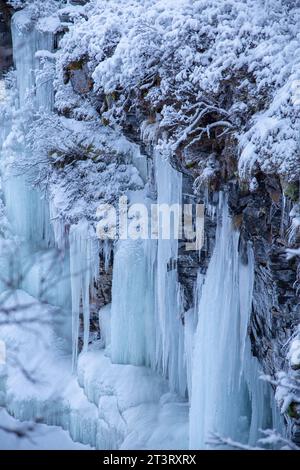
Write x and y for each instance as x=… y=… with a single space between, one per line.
x=21 y=431
x=272 y=439
x=217 y=440
x=292 y=252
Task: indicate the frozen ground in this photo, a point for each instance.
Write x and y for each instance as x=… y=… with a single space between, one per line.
x=42 y=437
x=111 y=406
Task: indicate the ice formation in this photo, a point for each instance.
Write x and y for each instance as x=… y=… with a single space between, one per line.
x=158 y=377
x=227 y=397
x=84 y=267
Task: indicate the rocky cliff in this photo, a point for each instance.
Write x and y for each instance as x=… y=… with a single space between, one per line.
x=5 y=38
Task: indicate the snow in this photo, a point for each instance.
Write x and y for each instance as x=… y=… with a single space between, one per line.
x=108 y=412
x=43 y=386
x=41 y=437
x=146 y=416
x=294 y=354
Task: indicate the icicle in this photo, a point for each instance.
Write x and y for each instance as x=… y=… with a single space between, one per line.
x=27 y=40
x=169 y=307
x=84 y=268
x=27 y=212
x=26 y=207
x=150 y=253
x=105 y=326
x=59 y=228
x=106 y=249
x=128 y=304
x=44 y=273
x=227 y=395
x=190 y=325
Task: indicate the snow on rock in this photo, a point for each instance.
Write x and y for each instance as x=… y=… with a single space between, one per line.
x=100 y=172
x=201 y=70
x=294 y=354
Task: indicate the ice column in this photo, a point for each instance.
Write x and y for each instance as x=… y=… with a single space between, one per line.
x=128 y=329
x=27 y=40
x=84 y=269
x=170 y=344
x=146 y=313
x=228 y=398
x=133 y=325
x=26 y=208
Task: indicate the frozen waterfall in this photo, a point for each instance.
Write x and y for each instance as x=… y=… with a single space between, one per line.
x=159 y=377
x=147 y=312
x=227 y=397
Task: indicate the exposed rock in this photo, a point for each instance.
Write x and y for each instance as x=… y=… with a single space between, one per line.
x=6 y=59
x=77 y=72
x=78 y=2
x=104 y=285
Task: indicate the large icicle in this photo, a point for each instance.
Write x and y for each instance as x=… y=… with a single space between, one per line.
x=84 y=269
x=228 y=397
x=42 y=273
x=170 y=347
x=133 y=325
x=26 y=207
x=27 y=40
x=146 y=311
x=128 y=333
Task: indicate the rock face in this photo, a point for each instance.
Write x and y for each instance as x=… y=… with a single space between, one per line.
x=6 y=59
x=78 y=2
x=263 y=219
x=78 y=73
